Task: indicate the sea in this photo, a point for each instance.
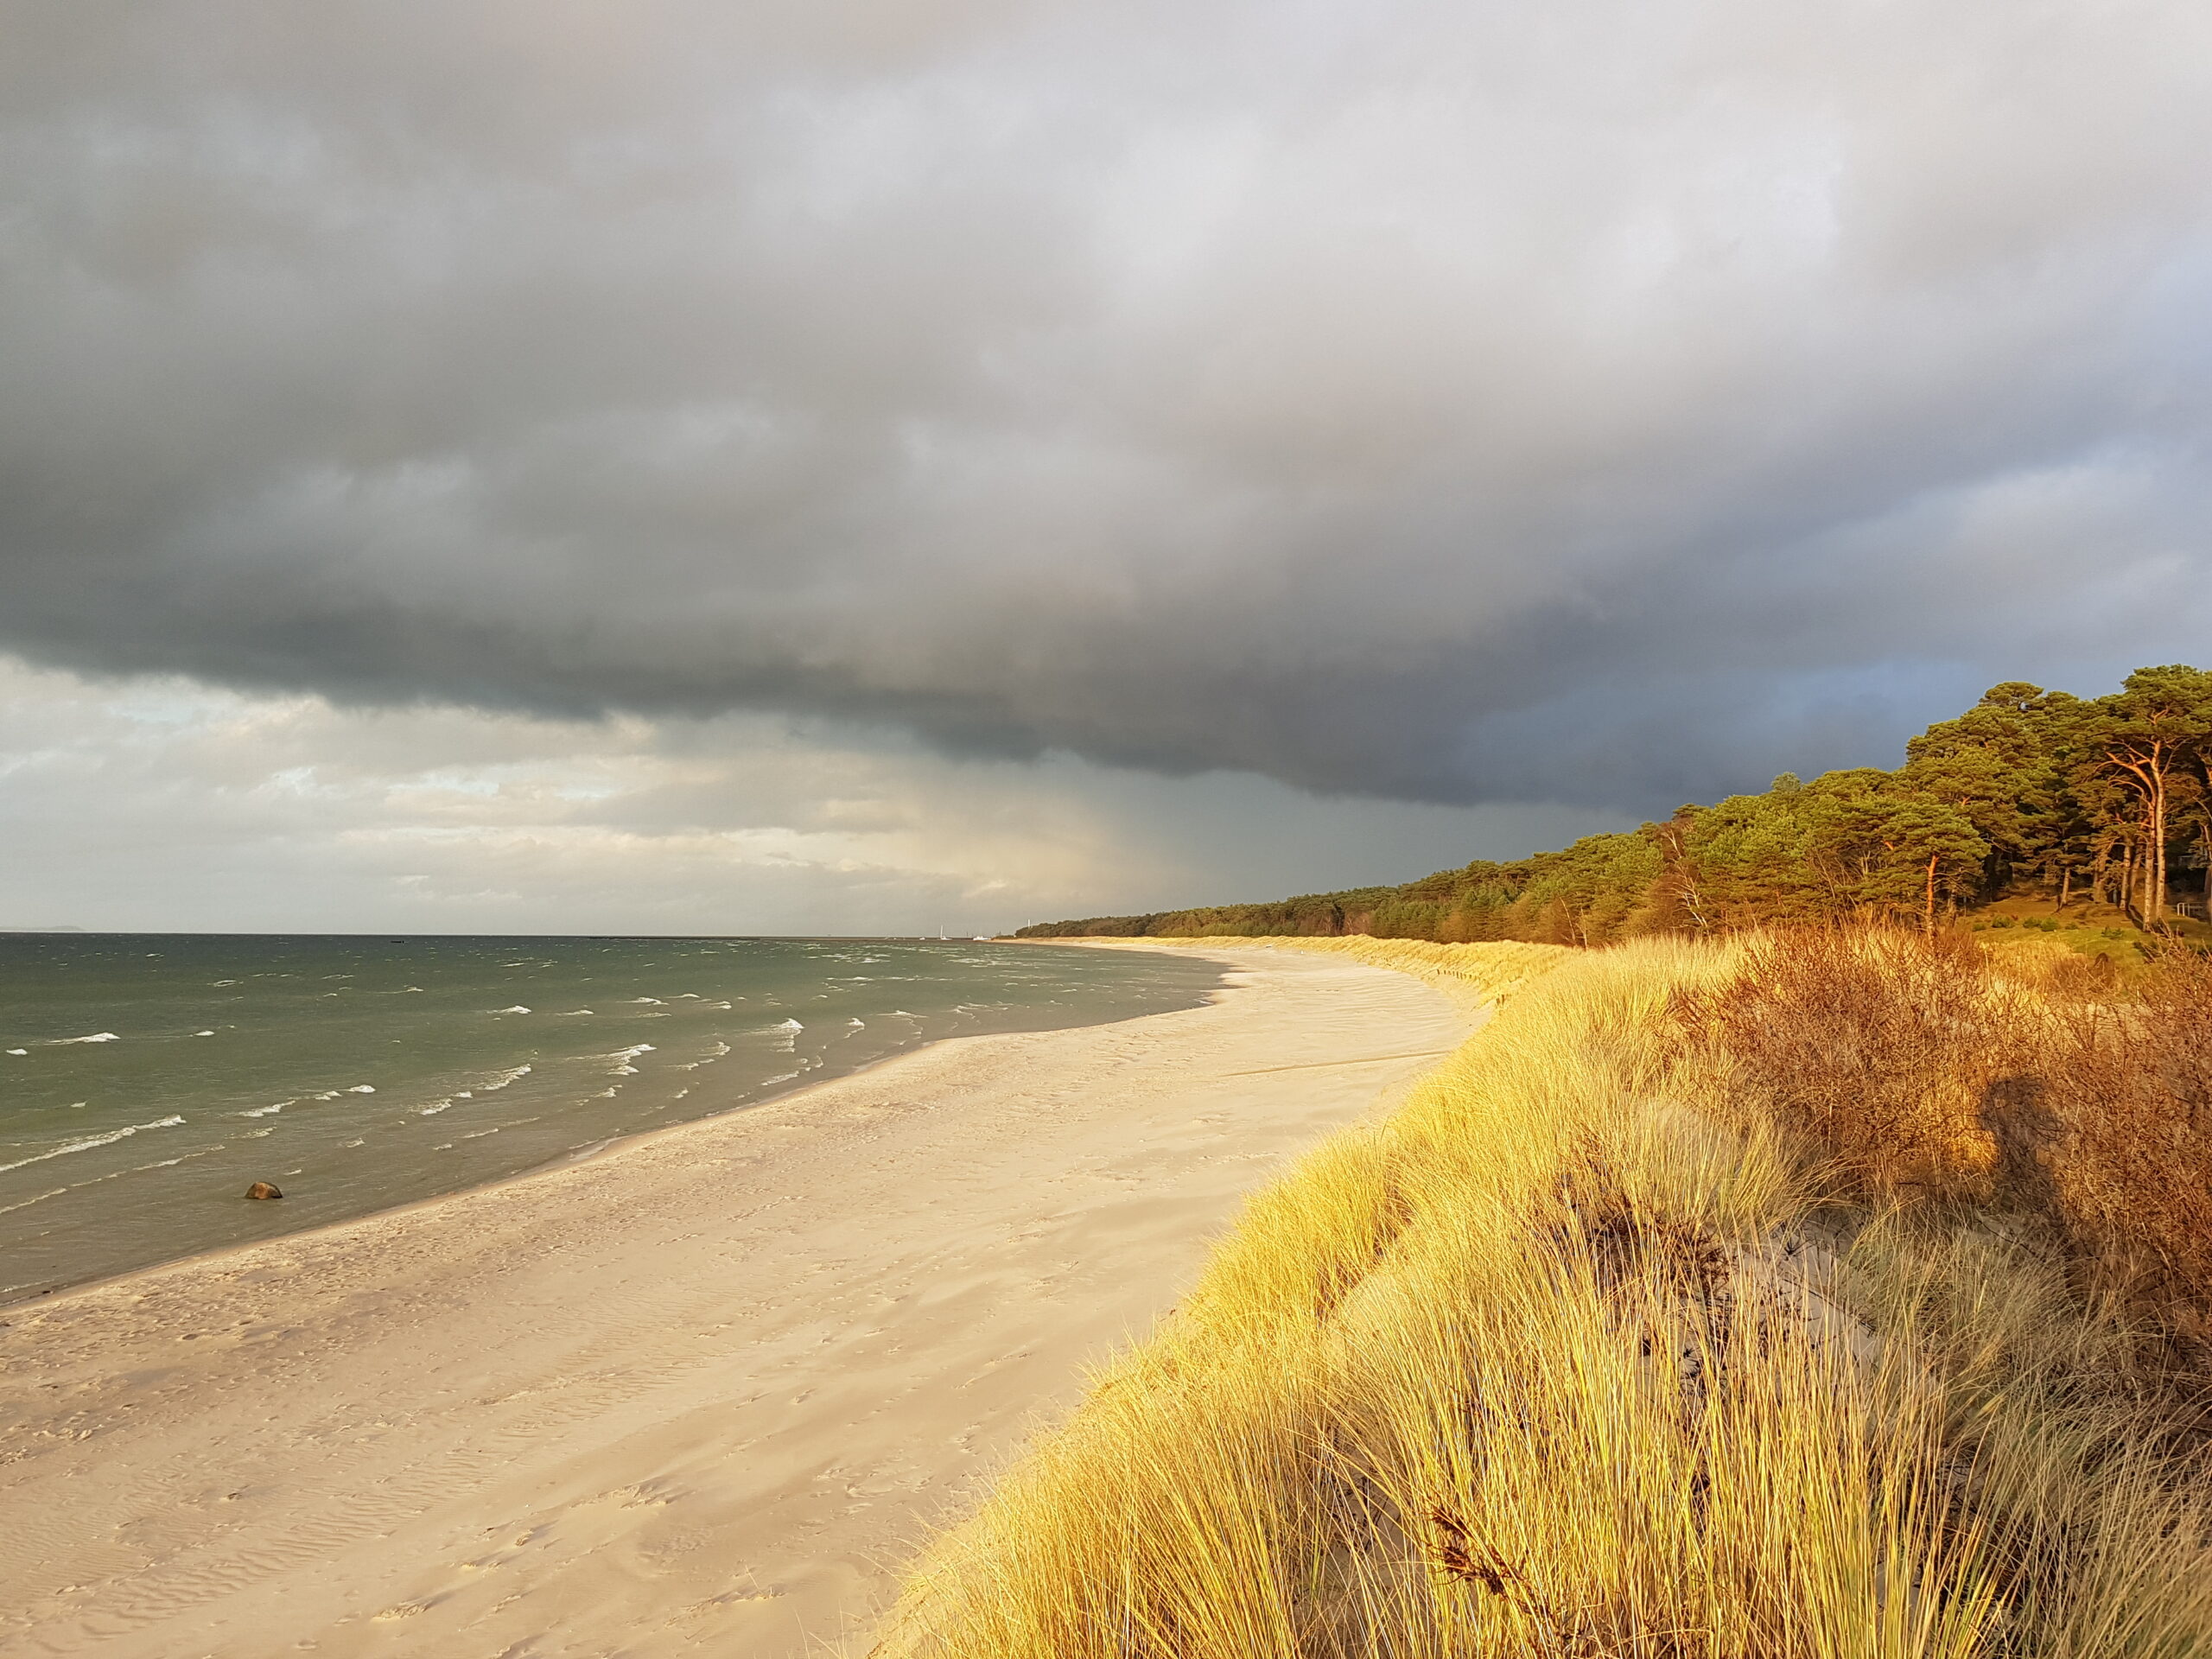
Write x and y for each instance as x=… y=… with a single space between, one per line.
x=147 y=1080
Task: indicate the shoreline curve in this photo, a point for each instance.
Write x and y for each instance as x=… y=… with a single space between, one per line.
x=703 y=1389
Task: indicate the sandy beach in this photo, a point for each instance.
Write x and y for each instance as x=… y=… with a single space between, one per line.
x=700 y=1394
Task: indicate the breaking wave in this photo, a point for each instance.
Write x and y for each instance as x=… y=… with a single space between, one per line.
x=91 y=1141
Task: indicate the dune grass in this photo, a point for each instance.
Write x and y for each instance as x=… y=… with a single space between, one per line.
x=1598 y=1347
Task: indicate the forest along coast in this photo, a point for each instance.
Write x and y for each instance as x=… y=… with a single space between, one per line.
x=2087 y=817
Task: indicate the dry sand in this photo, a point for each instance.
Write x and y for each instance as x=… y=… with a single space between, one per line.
x=698 y=1395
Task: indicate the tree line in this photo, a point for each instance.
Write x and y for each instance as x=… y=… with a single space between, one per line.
x=2100 y=802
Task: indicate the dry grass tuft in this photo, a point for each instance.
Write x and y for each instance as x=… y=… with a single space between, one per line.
x=1578 y=1356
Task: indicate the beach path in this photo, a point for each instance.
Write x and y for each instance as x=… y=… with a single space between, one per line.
x=699 y=1395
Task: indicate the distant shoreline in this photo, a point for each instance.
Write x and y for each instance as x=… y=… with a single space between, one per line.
x=109 y=1207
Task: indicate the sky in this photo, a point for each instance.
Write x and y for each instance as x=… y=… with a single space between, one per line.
x=811 y=466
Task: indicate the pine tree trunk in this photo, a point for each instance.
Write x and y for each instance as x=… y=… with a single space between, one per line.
x=2157 y=911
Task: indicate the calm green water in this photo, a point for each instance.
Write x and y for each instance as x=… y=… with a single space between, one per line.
x=147 y=1080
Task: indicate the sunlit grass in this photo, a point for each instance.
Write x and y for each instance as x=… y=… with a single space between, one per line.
x=1571 y=1356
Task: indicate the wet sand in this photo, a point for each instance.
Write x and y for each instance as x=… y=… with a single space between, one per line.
x=701 y=1394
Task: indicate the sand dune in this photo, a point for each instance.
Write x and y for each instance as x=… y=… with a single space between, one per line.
x=696 y=1395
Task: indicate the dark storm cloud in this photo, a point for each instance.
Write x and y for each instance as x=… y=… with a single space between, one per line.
x=1601 y=403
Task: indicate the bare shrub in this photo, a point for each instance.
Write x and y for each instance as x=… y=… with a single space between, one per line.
x=1883 y=1044
x=2126 y=1095
x=2049 y=1081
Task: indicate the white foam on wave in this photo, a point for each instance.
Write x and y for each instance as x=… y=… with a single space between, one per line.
x=652 y=1001
x=724 y=1006
x=502 y=1079
x=623 y=1056
x=517 y=1008
x=432 y=1109
x=111 y=1175
x=91 y=1141
x=266 y=1111
x=19 y=1051
x=565 y=1012
x=362 y=1089
x=97 y=1037
x=203 y=1034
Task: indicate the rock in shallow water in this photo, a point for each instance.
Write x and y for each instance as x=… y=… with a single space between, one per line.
x=263 y=1190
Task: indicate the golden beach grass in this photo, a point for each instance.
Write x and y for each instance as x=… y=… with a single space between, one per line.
x=1590 y=1348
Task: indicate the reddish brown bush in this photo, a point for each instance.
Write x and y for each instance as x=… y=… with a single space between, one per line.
x=2124 y=1092
x=1881 y=1044
x=2072 y=1095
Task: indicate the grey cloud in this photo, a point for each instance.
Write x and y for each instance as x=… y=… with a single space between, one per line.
x=1597 y=402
